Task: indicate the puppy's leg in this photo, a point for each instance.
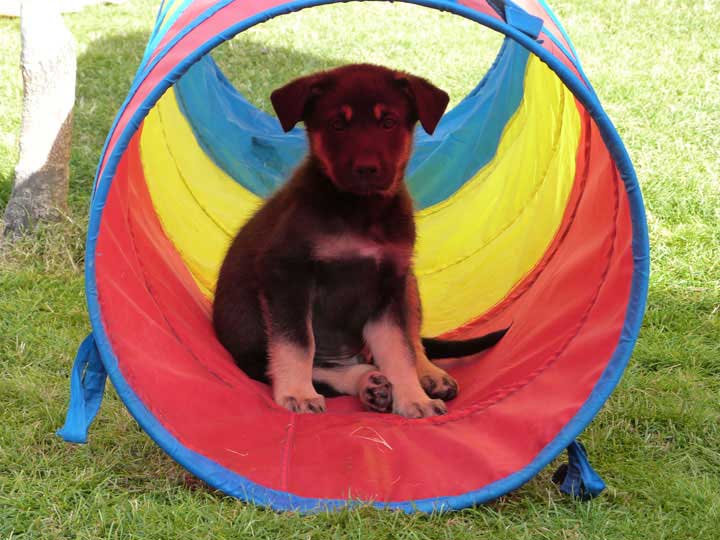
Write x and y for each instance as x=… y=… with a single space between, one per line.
x=361 y=380
x=435 y=381
x=393 y=353
x=238 y=322
x=290 y=370
x=286 y=306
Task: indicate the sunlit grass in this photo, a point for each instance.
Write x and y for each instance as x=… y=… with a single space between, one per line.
x=656 y=68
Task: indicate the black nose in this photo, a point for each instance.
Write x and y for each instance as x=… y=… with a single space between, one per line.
x=366 y=169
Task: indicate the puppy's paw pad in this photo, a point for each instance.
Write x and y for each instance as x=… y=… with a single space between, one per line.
x=439 y=386
x=375 y=392
x=422 y=409
x=315 y=404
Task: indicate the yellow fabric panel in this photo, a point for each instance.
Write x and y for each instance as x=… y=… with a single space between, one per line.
x=170 y=157
x=472 y=248
x=224 y=200
x=476 y=245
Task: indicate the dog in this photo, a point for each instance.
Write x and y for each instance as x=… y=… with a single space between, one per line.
x=317 y=291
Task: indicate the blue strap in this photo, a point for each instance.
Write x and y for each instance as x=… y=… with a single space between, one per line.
x=577 y=477
x=522 y=20
x=87 y=384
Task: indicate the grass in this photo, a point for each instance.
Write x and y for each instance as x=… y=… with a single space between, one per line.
x=656 y=68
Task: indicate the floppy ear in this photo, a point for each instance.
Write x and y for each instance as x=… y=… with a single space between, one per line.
x=290 y=102
x=429 y=100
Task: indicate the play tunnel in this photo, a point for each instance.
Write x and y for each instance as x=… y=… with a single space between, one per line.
x=528 y=212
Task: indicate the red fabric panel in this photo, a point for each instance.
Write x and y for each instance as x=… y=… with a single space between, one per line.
x=250 y=8
x=513 y=400
x=533 y=7
x=160 y=332
x=553 y=49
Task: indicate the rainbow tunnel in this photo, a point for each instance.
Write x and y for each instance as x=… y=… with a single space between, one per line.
x=528 y=212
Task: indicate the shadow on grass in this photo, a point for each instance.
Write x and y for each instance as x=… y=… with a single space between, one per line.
x=6 y=183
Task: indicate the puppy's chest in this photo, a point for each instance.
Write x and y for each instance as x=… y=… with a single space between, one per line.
x=355 y=276
x=344 y=247
x=347 y=292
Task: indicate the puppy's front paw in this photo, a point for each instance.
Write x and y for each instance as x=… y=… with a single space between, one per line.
x=375 y=392
x=439 y=385
x=419 y=408
x=305 y=404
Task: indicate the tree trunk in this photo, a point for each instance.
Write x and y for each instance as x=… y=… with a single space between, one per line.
x=48 y=67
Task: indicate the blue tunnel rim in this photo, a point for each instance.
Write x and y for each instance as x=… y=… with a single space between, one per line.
x=236 y=485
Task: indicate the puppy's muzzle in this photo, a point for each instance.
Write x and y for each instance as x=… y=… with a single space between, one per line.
x=366 y=170
x=368 y=176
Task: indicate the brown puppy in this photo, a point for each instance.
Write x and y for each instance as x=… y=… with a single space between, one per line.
x=321 y=279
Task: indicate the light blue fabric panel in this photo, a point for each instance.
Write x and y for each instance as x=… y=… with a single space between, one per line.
x=250 y=146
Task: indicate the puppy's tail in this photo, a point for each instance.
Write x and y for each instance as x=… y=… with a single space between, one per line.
x=443 y=348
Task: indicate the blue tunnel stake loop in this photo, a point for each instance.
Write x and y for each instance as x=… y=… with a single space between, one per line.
x=577 y=477
x=87 y=384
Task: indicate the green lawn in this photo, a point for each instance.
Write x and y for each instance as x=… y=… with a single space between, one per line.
x=656 y=68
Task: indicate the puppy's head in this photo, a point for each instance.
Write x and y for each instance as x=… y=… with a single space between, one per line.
x=360 y=120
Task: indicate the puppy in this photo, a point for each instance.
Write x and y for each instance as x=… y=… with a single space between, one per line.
x=317 y=290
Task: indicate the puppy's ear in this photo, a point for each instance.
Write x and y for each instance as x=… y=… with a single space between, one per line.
x=291 y=101
x=429 y=100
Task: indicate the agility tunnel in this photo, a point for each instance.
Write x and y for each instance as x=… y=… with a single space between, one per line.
x=528 y=212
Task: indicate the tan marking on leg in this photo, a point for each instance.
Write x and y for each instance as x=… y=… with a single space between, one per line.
x=347 y=112
x=370 y=386
x=395 y=359
x=344 y=379
x=290 y=368
x=435 y=381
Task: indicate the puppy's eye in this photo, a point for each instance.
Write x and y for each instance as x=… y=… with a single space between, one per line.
x=388 y=122
x=339 y=124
